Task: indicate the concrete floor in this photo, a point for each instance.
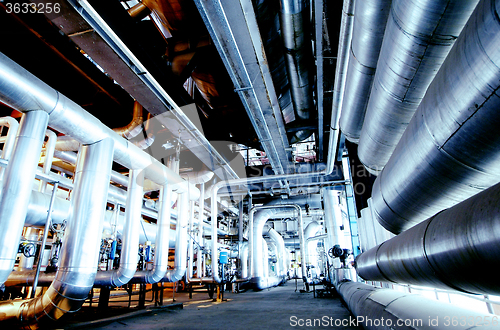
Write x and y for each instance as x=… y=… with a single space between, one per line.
x=276 y=308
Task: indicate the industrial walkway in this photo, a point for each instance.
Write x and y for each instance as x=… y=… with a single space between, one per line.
x=276 y=308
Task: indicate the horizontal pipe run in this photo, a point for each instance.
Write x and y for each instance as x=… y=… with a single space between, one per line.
x=23 y=91
x=448 y=250
x=376 y=309
x=449 y=151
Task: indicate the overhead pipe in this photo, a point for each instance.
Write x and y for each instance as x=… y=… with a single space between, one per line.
x=294 y=18
x=418 y=37
x=17 y=185
x=133 y=128
x=340 y=73
x=448 y=250
x=377 y=309
x=345 y=38
x=368 y=32
x=22 y=91
x=80 y=252
x=449 y=150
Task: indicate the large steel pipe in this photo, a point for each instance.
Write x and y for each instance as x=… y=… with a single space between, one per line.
x=448 y=250
x=80 y=252
x=17 y=185
x=368 y=32
x=418 y=37
x=389 y=309
x=294 y=17
x=449 y=150
x=23 y=91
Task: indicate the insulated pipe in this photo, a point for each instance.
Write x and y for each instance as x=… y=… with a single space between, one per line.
x=199 y=177
x=294 y=17
x=346 y=27
x=368 y=32
x=199 y=261
x=448 y=250
x=17 y=185
x=23 y=91
x=280 y=249
x=265 y=258
x=389 y=309
x=191 y=242
x=244 y=260
x=67 y=143
x=133 y=128
x=181 y=241
x=264 y=213
x=449 y=150
x=80 y=252
x=10 y=140
x=418 y=37
x=332 y=228
x=49 y=156
x=160 y=264
x=312 y=228
x=130 y=238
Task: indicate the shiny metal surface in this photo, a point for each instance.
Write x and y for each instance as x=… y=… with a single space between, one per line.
x=345 y=38
x=258 y=215
x=449 y=150
x=295 y=27
x=22 y=91
x=234 y=31
x=455 y=249
x=181 y=241
x=199 y=257
x=17 y=185
x=160 y=264
x=310 y=247
x=390 y=309
x=332 y=228
x=10 y=140
x=130 y=238
x=80 y=252
x=50 y=146
x=280 y=252
x=244 y=260
x=418 y=37
x=370 y=20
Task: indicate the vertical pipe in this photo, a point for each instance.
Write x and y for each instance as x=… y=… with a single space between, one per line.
x=44 y=239
x=199 y=262
x=80 y=252
x=331 y=228
x=130 y=238
x=8 y=145
x=181 y=240
x=17 y=186
x=191 y=241
x=160 y=265
x=50 y=147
